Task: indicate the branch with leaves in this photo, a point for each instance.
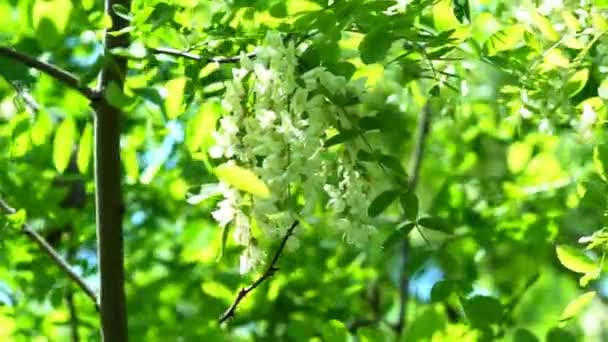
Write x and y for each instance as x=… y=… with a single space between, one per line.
x=57 y=73
x=199 y=58
x=269 y=272
x=53 y=254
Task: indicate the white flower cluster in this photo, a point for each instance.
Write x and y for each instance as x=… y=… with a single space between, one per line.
x=277 y=123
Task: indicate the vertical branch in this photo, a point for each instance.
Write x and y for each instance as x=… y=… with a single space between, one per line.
x=108 y=197
x=74 y=319
x=424 y=123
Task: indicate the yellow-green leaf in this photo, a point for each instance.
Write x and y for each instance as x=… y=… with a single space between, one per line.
x=42 y=128
x=129 y=160
x=545 y=27
x=574 y=259
x=443 y=15
x=576 y=82
x=175 y=97
x=600 y=160
x=576 y=305
x=504 y=40
x=50 y=20
x=200 y=127
x=65 y=137
x=85 y=147
x=242 y=179
x=602 y=90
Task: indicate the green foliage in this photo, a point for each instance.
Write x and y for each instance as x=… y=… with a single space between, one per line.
x=503 y=237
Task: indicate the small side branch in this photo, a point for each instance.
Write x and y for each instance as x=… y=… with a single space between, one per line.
x=269 y=272
x=199 y=58
x=422 y=133
x=59 y=74
x=54 y=255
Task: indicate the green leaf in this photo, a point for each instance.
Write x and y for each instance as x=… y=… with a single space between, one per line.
x=50 y=20
x=122 y=12
x=392 y=163
x=116 y=97
x=443 y=15
x=207 y=191
x=524 y=335
x=381 y=202
x=340 y=138
x=409 y=204
x=545 y=26
x=559 y=335
x=400 y=234
x=367 y=334
x=85 y=148
x=576 y=82
x=574 y=259
x=242 y=179
x=504 y=40
x=42 y=128
x=17 y=219
x=200 y=127
x=225 y=233
x=374 y=46
x=435 y=223
x=65 y=137
x=600 y=160
x=576 y=305
x=482 y=310
x=129 y=160
x=441 y=291
x=334 y=330
x=278 y=10
x=368 y=123
x=175 y=97
x=602 y=90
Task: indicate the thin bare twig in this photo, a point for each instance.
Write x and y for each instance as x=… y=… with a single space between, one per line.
x=59 y=74
x=416 y=162
x=269 y=272
x=53 y=254
x=199 y=58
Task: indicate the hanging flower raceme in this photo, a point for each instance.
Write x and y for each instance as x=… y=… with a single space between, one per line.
x=276 y=124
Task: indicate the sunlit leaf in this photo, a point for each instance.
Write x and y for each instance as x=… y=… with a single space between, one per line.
x=42 y=128
x=334 y=330
x=576 y=305
x=207 y=191
x=576 y=82
x=443 y=15
x=50 y=19
x=65 y=138
x=116 y=97
x=131 y=164
x=175 y=97
x=545 y=26
x=600 y=160
x=17 y=219
x=242 y=179
x=504 y=40
x=85 y=149
x=574 y=259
